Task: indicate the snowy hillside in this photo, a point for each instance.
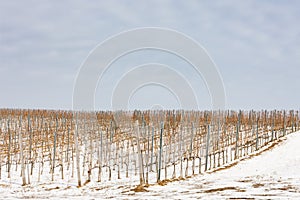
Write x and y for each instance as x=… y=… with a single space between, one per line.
x=273 y=174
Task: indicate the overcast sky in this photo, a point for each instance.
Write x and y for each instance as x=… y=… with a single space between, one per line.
x=255 y=44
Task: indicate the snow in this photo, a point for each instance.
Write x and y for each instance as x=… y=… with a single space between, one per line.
x=273 y=174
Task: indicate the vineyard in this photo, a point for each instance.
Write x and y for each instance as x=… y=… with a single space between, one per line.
x=153 y=146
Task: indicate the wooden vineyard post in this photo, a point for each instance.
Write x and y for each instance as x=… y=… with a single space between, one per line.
x=174 y=155
x=77 y=152
x=225 y=160
x=218 y=140
x=207 y=147
x=15 y=142
x=100 y=156
x=148 y=154
x=297 y=121
x=90 y=154
x=199 y=151
x=191 y=141
x=140 y=155
x=21 y=154
x=40 y=161
x=152 y=149
x=160 y=152
x=273 y=124
x=214 y=141
x=68 y=148
x=180 y=150
x=294 y=129
x=237 y=136
x=62 y=150
x=30 y=149
x=165 y=164
x=191 y=149
x=252 y=118
x=256 y=143
x=284 y=123
x=9 y=146
x=54 y=149
x=293 y=121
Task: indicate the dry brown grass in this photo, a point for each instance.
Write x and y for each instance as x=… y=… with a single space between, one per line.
x=220 y=189
x=258 y=185
x=139 y=188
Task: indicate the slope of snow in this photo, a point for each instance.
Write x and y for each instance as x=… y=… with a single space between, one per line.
x=274 y=174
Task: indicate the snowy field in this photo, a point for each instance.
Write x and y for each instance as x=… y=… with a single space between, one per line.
x=273 y=174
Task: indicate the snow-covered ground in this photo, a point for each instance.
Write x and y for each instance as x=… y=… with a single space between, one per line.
x=273 y=174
